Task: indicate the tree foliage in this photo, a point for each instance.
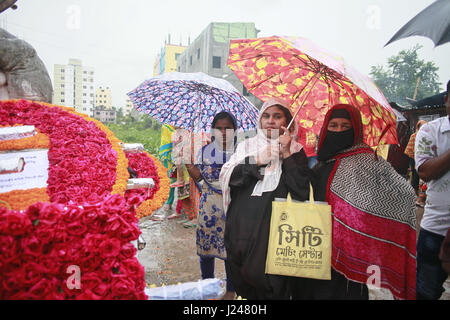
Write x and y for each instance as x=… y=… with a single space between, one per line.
x=399 y=79
x=146 y=130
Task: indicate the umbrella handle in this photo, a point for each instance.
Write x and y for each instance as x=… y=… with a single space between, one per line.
x=316 y=77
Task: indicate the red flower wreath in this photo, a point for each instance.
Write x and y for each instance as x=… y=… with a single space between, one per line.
x=83 y=166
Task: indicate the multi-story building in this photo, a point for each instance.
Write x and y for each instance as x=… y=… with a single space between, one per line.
x=128 y=107
x=208 y=53
x=166 y=61
x=103 y=98
x=105 y=115
x=73 y=86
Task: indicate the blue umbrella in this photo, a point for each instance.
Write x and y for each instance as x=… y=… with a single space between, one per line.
x=191 y=100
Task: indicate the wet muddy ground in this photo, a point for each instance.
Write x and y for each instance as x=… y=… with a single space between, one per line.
x=170 y=256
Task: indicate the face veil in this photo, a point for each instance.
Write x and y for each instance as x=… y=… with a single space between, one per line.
x=331 y=142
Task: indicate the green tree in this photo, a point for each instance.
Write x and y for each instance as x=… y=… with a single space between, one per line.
x=404 y=70
x=143 y=131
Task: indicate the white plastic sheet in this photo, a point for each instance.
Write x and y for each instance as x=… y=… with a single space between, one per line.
x=20 y=132
x=201 y=290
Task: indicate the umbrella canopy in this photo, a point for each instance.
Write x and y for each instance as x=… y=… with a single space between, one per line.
x=191 y=100
x=312 y=80
x=432 y=22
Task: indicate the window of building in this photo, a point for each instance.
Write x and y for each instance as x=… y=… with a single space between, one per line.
x=190 y=60
x=179 y=69
x=198 y=54
x=216 y=62
x=62 y=100
x=62 y=70
x=62 y=85
x=176 y=56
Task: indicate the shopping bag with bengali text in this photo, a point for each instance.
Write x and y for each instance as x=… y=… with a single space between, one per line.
x=300 y=239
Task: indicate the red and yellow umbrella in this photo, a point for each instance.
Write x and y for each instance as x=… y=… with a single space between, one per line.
x=311 y=80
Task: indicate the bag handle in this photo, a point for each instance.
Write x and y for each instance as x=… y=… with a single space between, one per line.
x=311 y=195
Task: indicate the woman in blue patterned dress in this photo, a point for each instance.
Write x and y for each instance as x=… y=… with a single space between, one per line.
x=211 y=218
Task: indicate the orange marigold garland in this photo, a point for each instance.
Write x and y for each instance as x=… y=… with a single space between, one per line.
x=22 y=199
x=38 y=141
x=161 y=196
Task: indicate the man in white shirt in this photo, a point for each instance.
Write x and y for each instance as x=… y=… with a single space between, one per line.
x=432 y=156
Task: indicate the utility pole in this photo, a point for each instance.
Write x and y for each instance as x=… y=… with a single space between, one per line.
x=417 y=87
x=413 y=100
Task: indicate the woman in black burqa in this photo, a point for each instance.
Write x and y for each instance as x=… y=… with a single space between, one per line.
x=263 y=168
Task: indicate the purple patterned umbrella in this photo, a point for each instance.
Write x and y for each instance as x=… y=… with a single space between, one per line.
x=193 y=103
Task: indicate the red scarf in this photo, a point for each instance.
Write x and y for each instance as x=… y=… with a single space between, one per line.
x=374 y=222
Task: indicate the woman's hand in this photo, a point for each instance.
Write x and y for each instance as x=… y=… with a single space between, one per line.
x=268 y=154
x=285 y=143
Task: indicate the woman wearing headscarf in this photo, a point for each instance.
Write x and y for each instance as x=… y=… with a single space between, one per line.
x=373 y=215
x=211 y=223
x=264 y=167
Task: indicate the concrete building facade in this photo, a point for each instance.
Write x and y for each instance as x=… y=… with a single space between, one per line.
x=166 y=61
x=208 y=53
x=103 y=98
x=105 y=115
x=73 y=86
x=128 y=107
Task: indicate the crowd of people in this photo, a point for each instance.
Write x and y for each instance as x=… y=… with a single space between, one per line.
x=226 y=192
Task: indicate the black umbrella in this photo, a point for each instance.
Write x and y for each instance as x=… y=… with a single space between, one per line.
x=432 y=22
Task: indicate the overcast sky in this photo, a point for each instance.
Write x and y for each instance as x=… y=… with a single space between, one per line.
x=120 y=39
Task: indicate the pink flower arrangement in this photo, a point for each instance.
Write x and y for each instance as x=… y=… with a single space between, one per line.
x=82 y=162
x=38 y=247
x=145 y=168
